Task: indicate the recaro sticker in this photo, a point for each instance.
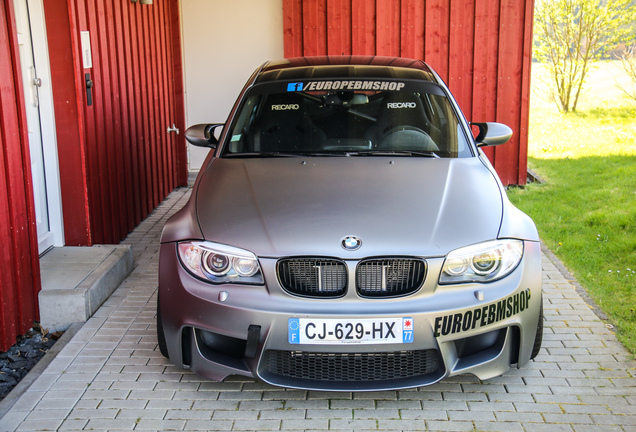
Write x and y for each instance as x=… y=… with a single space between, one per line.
x=400 y=105
x=285 y=107
x=483 y=316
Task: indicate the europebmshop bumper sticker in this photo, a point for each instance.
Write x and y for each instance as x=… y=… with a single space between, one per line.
x=483 y=316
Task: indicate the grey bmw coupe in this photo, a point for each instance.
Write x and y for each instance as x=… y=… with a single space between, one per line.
x=347 y=233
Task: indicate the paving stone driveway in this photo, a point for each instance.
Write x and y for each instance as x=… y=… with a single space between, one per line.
x=110 y=376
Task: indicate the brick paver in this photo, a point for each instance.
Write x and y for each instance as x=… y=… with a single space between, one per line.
x=111 y=376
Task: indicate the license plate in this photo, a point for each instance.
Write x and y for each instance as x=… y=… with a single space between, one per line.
x=310 y=331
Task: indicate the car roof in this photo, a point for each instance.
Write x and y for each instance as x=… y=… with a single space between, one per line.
x=326 y=67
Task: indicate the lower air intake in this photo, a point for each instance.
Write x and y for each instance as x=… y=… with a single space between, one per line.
x=350 y=367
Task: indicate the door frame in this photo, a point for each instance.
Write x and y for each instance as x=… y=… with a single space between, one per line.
x=47 y=124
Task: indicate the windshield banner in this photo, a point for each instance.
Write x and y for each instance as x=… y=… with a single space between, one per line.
x=346 y=85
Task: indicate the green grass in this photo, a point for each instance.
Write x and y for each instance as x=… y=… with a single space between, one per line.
x=586 y=209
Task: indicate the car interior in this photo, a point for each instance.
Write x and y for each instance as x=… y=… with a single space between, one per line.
x=346 y=122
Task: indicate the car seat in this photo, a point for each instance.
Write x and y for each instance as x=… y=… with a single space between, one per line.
x=285 y=126
x=402 y=124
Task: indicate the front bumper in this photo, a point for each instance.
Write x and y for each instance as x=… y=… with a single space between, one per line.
x=222 y=330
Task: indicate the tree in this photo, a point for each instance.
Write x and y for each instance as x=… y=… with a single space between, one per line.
x=628 y=62
x=571 y=34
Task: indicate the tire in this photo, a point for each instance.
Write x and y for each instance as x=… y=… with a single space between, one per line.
x=161 y=337
x=538 y=339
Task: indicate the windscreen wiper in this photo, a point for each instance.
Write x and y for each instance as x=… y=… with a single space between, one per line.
x=395 y=153
x=263 y=154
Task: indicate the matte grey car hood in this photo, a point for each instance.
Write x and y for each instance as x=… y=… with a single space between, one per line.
x=305 y=206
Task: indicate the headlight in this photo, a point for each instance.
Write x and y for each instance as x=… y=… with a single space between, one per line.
x=220 y=263
x=483 y=262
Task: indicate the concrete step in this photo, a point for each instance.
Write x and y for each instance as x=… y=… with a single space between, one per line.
x=77 y=280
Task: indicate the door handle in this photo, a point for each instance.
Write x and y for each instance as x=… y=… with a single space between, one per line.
x=89 y=89
x=37 y=83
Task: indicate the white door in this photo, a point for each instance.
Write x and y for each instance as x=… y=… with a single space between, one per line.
x=36 y=79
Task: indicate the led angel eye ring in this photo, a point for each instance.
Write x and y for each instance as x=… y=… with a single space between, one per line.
x=216 y=264
x=456 y=266
x=245 y=267
x=485 y=263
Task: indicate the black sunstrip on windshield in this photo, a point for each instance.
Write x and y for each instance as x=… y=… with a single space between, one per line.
x=346 y=118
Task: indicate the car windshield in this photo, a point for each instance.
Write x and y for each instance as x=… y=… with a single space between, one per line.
x=371 y=119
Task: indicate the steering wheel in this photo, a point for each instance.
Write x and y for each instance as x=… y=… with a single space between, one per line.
x=405 y=138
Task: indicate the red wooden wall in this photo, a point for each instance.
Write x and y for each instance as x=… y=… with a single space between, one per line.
x=481 y=48
x=117 y=161
x=19 y=266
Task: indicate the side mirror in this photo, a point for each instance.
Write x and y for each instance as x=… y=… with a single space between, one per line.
x=202 y=135
x=491 y=134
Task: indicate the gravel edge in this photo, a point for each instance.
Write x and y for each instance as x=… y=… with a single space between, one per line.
x=7 y=403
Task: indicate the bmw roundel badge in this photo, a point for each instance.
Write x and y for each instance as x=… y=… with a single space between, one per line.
x=351 y=243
